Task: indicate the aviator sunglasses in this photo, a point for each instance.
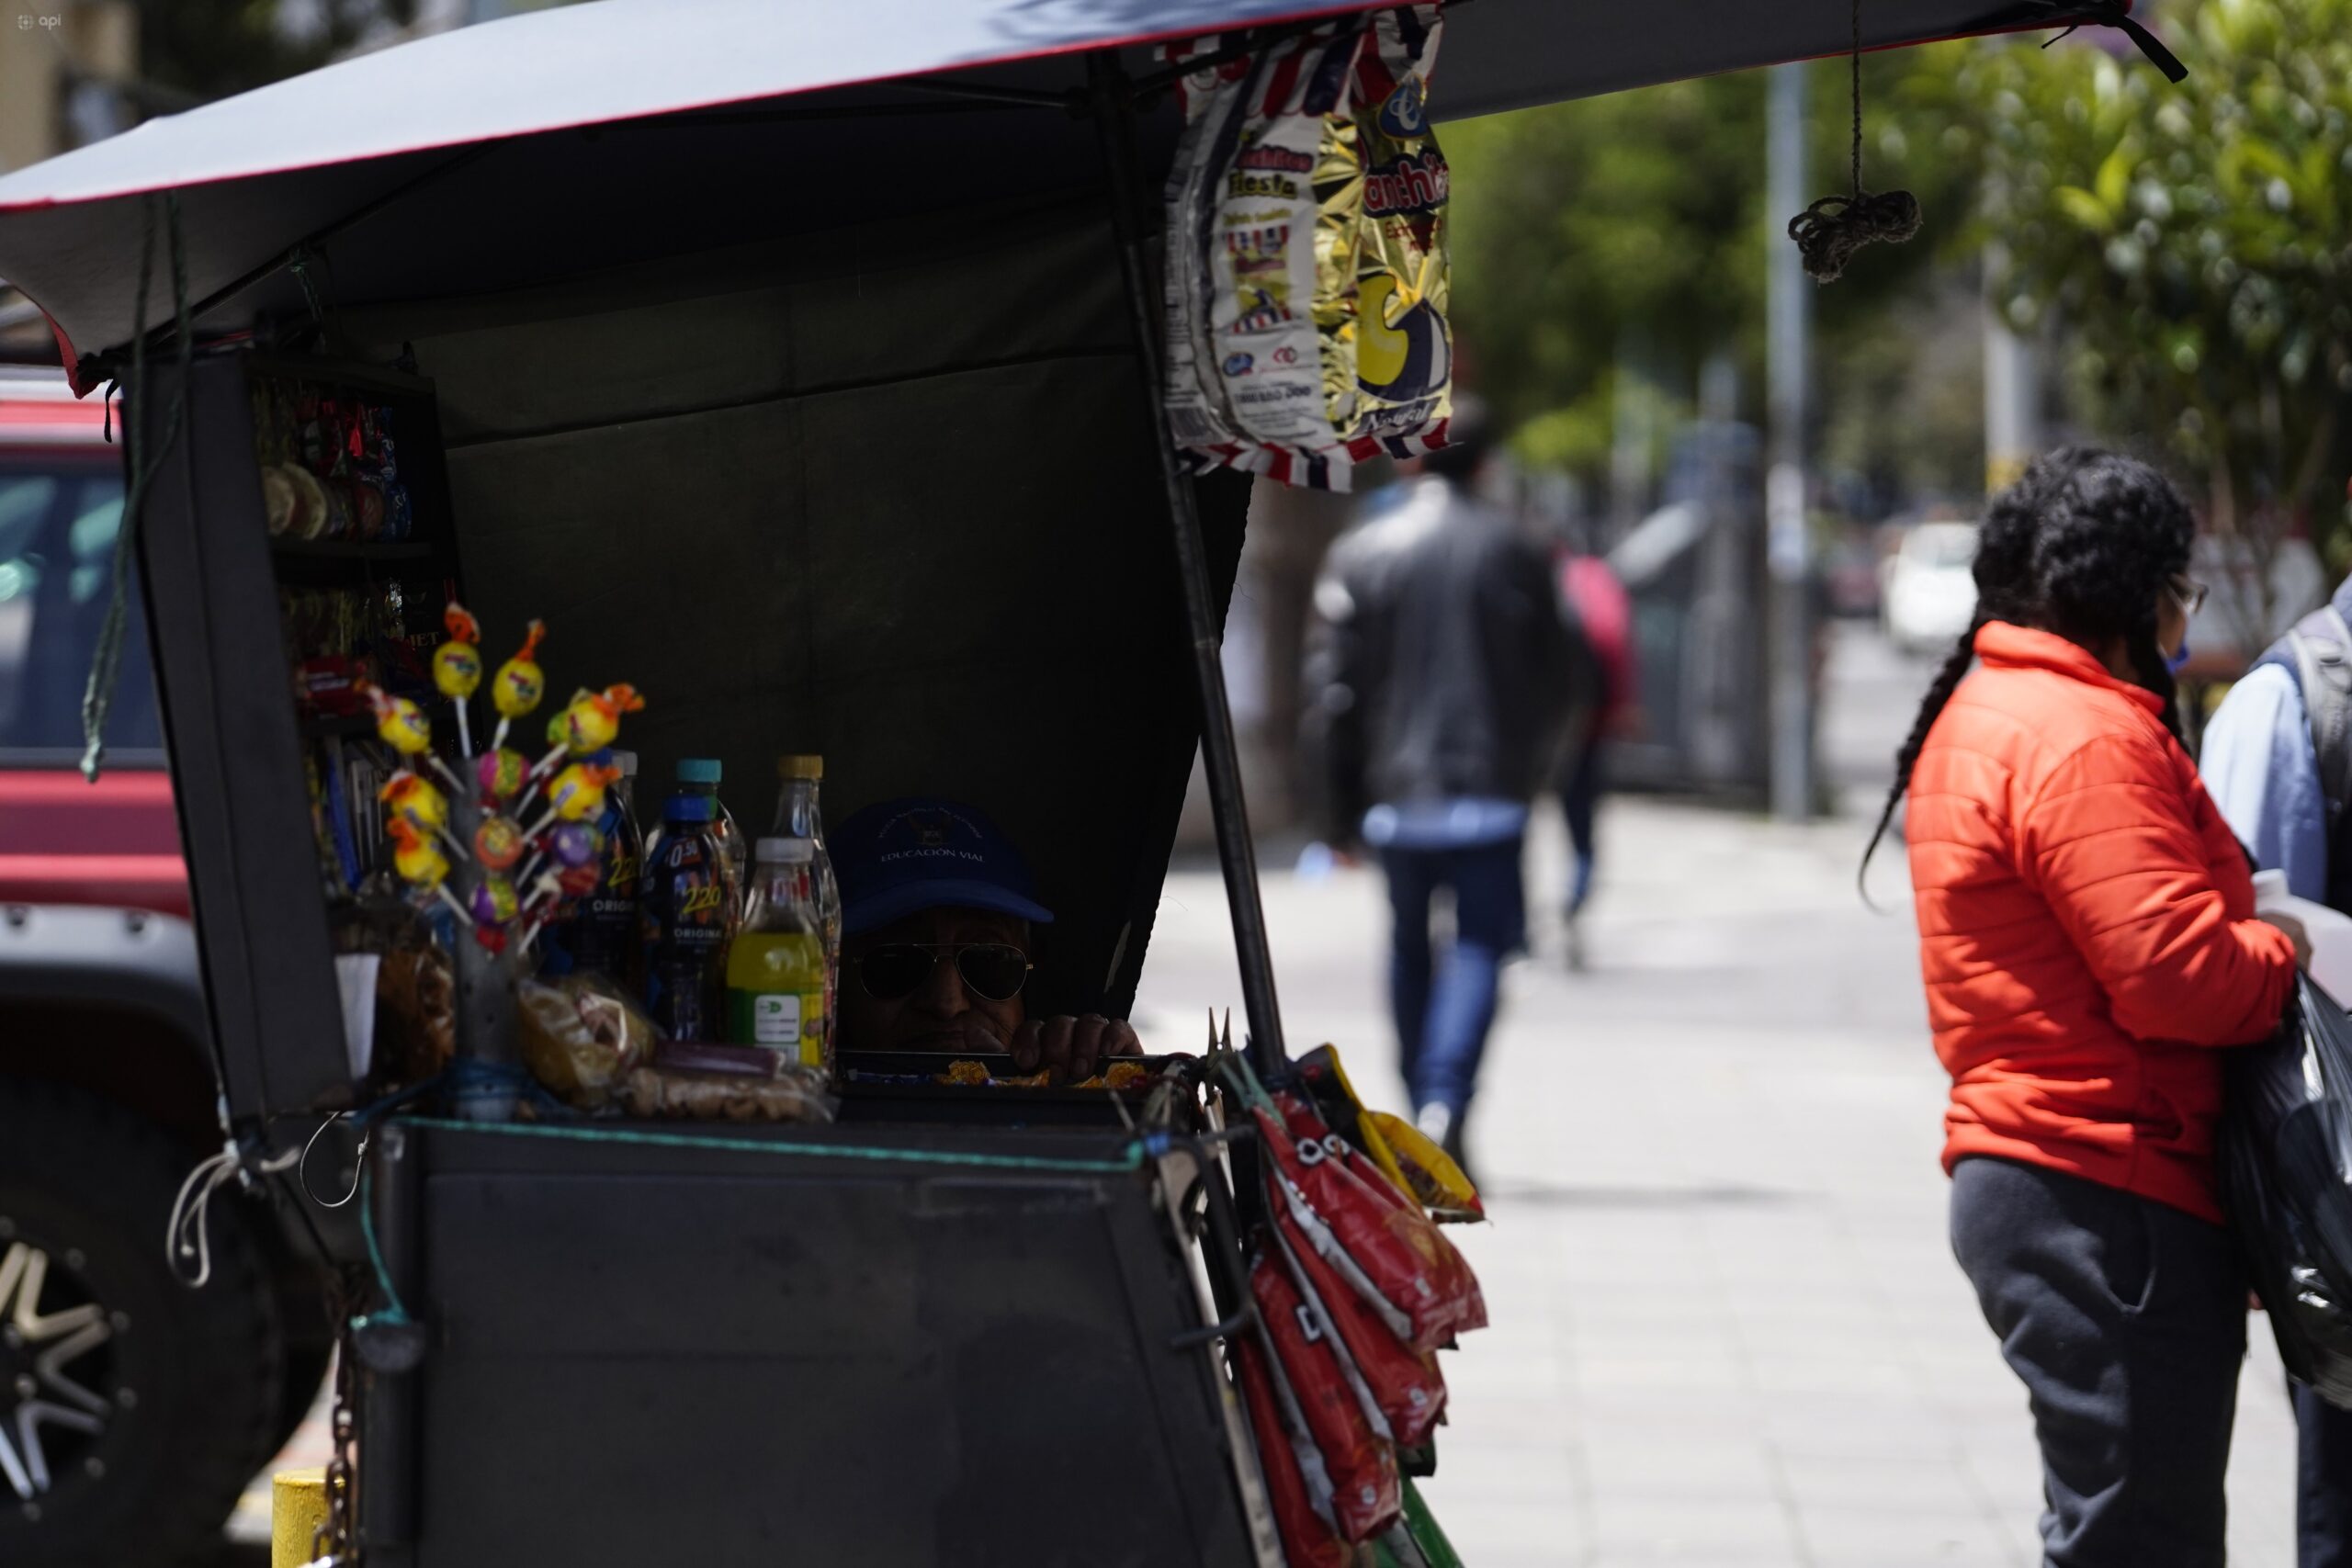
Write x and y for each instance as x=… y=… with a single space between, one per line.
x=992 y=970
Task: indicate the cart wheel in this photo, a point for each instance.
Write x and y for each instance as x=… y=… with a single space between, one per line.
x=130 y=1407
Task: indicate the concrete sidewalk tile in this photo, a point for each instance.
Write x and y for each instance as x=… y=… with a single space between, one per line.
x=1673 y=1529
x=1678 y=1465
x=1872 y=1539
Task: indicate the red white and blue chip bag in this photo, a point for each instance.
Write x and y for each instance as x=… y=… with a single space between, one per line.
x=1307 y=281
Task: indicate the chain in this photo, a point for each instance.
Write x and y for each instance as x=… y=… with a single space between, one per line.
x=336 y=1540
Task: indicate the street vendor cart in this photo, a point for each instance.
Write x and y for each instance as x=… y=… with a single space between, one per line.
x=801 y=365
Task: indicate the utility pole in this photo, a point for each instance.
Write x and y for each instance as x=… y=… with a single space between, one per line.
x=2012 y=386
x=1787 y=552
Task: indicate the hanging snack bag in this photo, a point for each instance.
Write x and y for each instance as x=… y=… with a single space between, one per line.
x=1403 y=1386
x=1358 y=1459
x=1309 y=1540
x=1383 y=1248
x=1307 y=286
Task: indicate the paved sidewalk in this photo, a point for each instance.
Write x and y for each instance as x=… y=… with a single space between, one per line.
x=1727 y=1329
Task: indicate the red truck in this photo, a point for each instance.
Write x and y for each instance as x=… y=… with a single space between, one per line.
x=132 y=1410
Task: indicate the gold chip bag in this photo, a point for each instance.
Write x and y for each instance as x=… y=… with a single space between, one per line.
x=1308 y=285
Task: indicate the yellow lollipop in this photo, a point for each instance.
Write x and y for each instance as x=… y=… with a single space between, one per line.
x=521 y=684
x=417 y=858
x=416 y=802
x=400 y=722
x=457 y=664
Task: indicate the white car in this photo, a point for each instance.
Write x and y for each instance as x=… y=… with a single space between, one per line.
x=1930 y=594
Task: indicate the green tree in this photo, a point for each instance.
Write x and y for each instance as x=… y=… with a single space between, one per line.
x=1629 y=231
x=2192 y=247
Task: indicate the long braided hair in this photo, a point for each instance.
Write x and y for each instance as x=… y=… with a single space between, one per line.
x=2081 y=545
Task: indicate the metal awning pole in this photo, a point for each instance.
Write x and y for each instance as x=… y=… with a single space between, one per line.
x=1236 y=851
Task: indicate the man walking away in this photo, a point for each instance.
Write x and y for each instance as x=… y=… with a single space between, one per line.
x=2277 y=761
x=1438 y=672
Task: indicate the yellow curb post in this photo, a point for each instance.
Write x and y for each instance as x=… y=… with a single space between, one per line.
x=298 y=1507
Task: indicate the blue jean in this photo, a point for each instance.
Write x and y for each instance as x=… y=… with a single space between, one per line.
x=1445 y=1004
x=2323 y=1498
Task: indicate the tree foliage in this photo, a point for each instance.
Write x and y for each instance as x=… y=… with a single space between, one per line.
x=2194 y=242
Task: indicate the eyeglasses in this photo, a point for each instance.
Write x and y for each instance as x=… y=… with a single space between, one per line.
x=2190 y=595
x=994 y=971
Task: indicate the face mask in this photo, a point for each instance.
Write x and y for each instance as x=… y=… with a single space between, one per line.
x=2177 y=662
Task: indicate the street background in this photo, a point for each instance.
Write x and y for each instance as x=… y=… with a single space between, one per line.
x=1726 y=1325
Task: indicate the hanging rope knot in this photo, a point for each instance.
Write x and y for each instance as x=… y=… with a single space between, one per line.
x=1829 y=232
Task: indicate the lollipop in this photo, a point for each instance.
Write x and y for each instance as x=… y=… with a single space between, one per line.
x=404 y=727
x=576 y=795
x=498 y=843
x=494 y=901
x=420 y=860
x=501 y=772
x=520 y=683
x=415 y=801
x=576 y=844
x=457 y=667
x=588 y=723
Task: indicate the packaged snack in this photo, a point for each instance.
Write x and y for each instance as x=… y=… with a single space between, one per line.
x=581 y=1037
x=1309 y=1538
x=792 y=1094
x=1357 y=1457
x=1403 y=1385
x=1389 y=1253
x=1307 y=284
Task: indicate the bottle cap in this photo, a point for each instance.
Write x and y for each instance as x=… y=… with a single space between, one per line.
x=686 y=809
x=626 y=761
x=788 y=851
x=699 y=769
x=804 y=765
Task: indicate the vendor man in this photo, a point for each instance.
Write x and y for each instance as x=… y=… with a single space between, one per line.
x=938 y=917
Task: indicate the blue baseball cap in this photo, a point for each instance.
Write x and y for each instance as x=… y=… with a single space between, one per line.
x=901 y=857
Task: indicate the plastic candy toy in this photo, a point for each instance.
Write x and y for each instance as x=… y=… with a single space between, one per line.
x=457 y=667
x=520 y=683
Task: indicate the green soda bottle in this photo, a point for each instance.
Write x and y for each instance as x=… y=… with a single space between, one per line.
x=777 y=984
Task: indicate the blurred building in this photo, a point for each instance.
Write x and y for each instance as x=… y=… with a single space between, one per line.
x=67 y=71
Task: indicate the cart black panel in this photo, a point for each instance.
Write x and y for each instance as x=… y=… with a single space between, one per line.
x=845 y=1360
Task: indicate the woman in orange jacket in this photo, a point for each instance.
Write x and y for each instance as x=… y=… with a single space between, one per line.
x=2087 y=936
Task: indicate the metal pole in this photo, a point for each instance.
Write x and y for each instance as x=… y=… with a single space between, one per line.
x=1788 y=551
x=2012 y=382
x=1237 y=852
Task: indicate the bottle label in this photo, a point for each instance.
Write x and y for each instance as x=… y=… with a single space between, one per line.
x=775 y=1021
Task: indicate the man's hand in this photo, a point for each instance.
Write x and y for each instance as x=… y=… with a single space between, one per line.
x=1072 y=1049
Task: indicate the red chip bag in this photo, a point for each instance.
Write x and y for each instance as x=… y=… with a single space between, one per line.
x=1308 y=1539
x=1386 y=1250
x=1404 y=1385
x=1366 y=1491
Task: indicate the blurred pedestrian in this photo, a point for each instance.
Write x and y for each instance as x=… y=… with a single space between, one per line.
x=2278 y=758
x=1602 y=616
x=2088 y=935
x=1437 y=679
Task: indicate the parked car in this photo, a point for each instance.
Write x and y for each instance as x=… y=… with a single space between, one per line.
x=132 y=1409
x=1931 y=594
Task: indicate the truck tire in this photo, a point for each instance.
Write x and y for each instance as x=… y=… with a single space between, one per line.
x=150 y=1399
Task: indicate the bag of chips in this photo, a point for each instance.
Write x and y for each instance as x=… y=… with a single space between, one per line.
x=1330 y=1199
x=1404 y=1387
x=1309 y=1538
x=1307 y=284
x=1358 y=1459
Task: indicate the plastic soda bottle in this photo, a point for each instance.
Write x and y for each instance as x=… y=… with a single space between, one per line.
x=799 y=815
x=687 y=917
x=779 y=983
x=604 y=932
x=700 y=776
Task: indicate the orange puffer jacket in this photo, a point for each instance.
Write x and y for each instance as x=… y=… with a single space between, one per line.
x=2085 y=925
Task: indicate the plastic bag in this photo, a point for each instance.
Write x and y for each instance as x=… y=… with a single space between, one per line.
x=1308 y=1539
x=581 y=1037
x=1307 y=279
x=1358 y=1459
x=1328 y=1197
x=2285 y=1166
